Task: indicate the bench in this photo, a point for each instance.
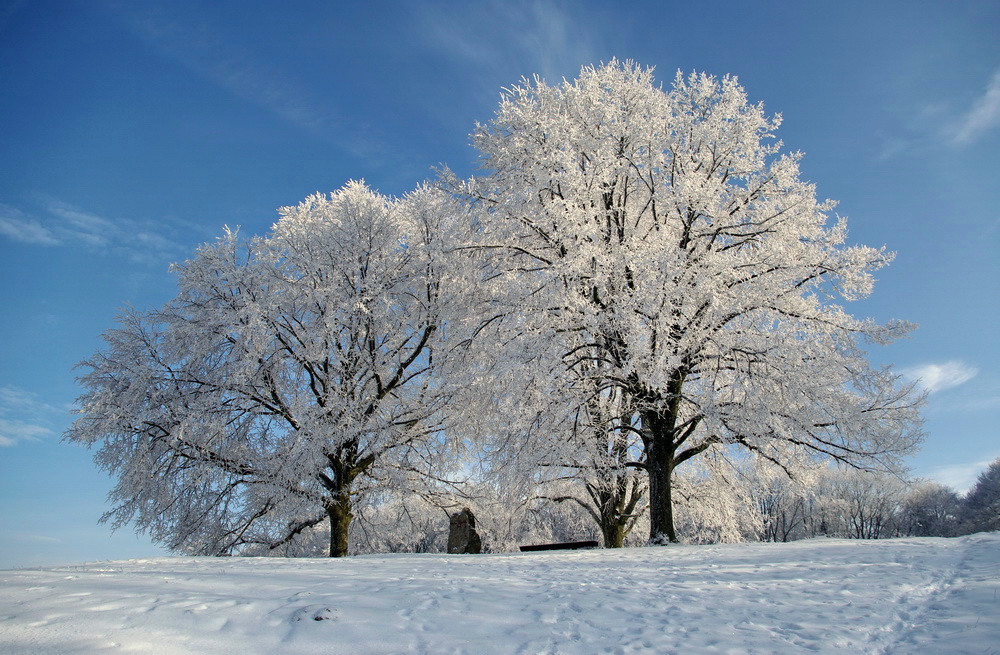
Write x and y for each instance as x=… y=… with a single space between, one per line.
x=570 y=545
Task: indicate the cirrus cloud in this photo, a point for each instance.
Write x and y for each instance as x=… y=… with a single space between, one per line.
x=960 y=477
x=982 y=117
x=936 y=377
x=58 y=223
x=24 y=416
x=18 y=226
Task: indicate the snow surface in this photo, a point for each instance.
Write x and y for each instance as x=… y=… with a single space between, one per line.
x=822 y=595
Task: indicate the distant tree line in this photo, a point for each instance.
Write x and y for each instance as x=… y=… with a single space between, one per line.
x=861 y=505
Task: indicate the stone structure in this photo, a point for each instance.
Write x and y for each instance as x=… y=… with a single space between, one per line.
x=462 y=535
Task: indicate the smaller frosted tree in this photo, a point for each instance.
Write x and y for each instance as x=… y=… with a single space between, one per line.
x=930 y=510
x=714 y=500
x=871 y=502
x=291 y=376
x=782 y=501
x=598 y=457
x=537 y=437
x=616 y=490
x=982 y=502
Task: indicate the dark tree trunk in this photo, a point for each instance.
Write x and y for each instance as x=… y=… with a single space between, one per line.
x=607 y=501
x=662 y=436
x=660 y=467
x=345 y=466
x=340 y=523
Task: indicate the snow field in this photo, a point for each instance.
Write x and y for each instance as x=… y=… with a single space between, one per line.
x=822 y=596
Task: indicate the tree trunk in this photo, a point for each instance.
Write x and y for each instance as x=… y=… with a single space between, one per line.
x=340 y=523
x=613 y=533
x=344 y=468
x=661 y=509
x=615 y=504
x=660 y=448
x=659 y=437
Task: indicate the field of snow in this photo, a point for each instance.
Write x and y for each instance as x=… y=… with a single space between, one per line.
x=822 y=596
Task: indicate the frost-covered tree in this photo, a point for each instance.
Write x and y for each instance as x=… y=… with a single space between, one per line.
x=657 y=243
x=870 y=502
x=536 y=436
x=930 y=510
x=606 y=444
x=291 y=376
x=402 y=522
x=982 y=503
x=782 y=502
x=601 y=478
x=714 y=502
x=588 y=455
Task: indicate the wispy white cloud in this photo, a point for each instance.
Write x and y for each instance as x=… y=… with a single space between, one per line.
x=78 y=225
x=18 y=226
x=11 y=397
x=937 y=377
x=24 y=417
x=11 y=432
x=37 y=538
x=58 y=223
x=493 y=39
x=981 y=118
x=960 y=477
x=91 y=228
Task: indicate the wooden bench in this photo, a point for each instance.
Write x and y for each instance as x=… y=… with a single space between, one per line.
x=570 y=545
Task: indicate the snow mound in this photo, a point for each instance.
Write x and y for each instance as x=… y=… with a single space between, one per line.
x=824 y=596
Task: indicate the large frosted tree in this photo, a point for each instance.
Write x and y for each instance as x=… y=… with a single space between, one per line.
x=291 y=374
x=661 y=249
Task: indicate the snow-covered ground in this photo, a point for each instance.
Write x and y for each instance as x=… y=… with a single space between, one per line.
x=825 y=596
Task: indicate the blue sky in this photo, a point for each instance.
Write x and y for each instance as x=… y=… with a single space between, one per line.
x=132 y=131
